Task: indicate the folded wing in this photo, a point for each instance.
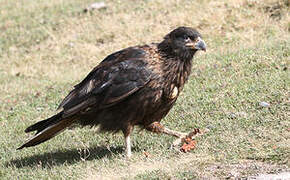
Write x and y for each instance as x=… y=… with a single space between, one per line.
x=109 y=83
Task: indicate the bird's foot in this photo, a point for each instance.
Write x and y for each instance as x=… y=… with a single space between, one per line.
x=187 y=140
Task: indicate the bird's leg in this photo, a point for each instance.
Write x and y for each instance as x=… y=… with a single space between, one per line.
x=156 y=127
x=128 y=146
x=174 y=133
x=127 y=133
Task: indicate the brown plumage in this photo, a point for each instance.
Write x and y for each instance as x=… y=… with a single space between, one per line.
x=135 y=86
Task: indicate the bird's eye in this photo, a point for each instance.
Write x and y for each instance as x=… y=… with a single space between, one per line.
x=186 y=38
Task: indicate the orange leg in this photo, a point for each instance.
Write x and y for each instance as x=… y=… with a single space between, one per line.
x=156 y=127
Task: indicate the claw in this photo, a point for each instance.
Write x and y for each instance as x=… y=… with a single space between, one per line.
x=184 y=137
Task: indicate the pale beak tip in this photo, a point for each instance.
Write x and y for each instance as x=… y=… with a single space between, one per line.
x=201 y=45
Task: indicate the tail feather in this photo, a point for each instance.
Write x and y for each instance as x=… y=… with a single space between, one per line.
x=41 y=125
x=47 y=129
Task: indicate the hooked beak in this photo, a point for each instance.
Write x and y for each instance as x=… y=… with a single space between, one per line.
x=198 y=45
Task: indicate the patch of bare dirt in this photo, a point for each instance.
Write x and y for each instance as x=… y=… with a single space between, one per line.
x=244 y=170
x=277 y=10
x=282 y=176
x=191 y=163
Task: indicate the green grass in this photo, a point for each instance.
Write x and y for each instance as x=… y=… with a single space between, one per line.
x=48 y=46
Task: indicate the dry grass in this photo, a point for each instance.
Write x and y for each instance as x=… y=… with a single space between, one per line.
x=82 y=40
x=48 y=46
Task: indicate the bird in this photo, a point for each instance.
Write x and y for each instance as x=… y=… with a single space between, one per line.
x=136 y=86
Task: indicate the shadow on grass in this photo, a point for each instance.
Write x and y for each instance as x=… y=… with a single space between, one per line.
x=50 y=159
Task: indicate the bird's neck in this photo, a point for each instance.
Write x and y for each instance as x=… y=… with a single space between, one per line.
x=177 y=68
x=182 y=73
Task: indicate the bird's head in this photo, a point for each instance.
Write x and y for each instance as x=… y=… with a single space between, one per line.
x=183 y=42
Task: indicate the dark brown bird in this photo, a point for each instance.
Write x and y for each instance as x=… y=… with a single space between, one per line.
x=135 y=86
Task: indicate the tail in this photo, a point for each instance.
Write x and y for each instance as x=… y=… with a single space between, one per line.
x=47 y=129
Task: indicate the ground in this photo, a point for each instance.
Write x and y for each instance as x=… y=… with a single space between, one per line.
x=239 y=88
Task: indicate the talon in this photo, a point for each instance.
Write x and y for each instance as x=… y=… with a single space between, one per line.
x=186 y=140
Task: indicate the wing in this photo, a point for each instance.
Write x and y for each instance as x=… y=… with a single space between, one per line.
x=116 y=78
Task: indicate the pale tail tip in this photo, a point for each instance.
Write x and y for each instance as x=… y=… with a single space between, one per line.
x=20 y=147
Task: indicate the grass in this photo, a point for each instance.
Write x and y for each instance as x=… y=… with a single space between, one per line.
x=48 y=46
